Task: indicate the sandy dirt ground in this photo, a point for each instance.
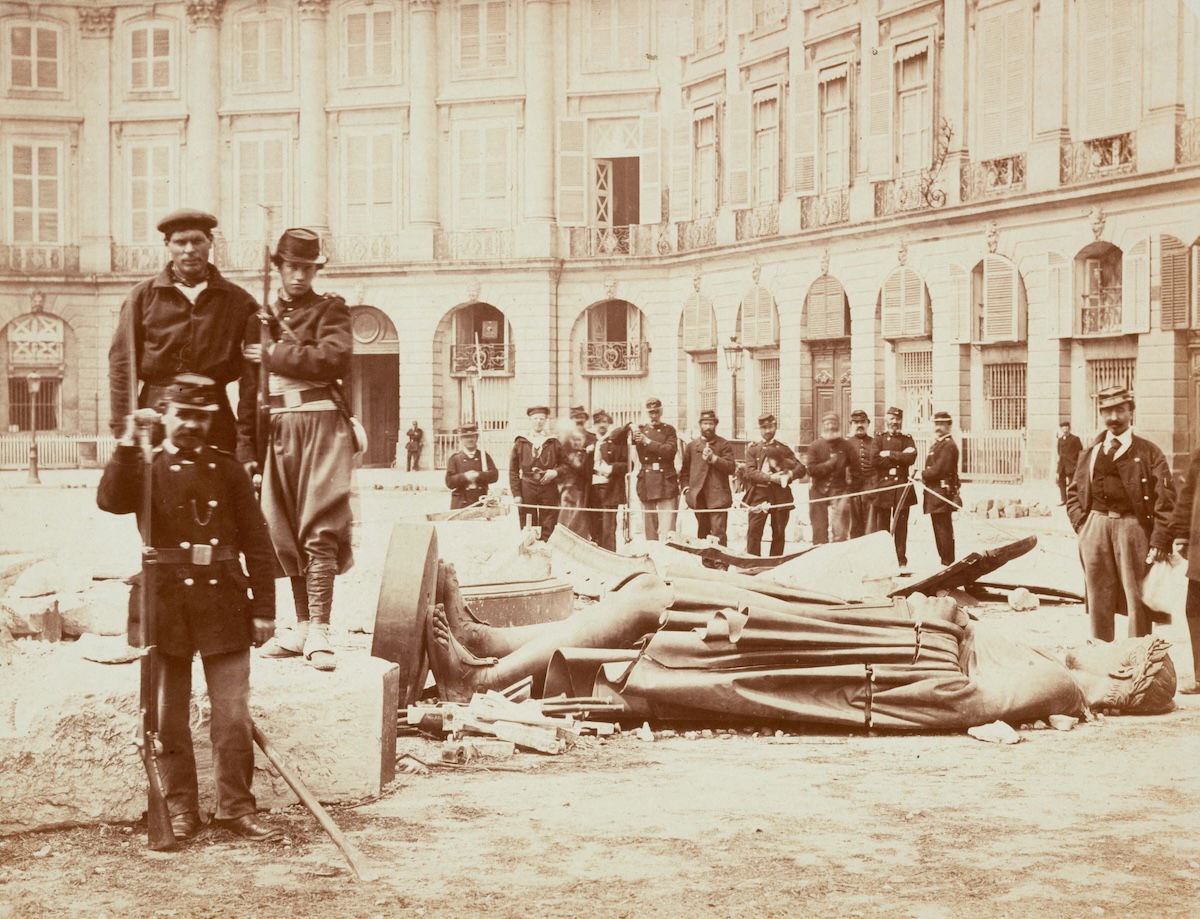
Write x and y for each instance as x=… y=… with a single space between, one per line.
x=1102 y=820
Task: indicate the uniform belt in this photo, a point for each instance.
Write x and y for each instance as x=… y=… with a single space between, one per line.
x=195 y=555
x=1115 y=515
x=295 y=397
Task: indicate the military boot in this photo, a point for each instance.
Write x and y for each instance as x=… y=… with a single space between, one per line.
x=317 y=649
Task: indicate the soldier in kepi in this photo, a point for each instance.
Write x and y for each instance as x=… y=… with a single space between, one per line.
x=204 y=519
x=469 y=471
x=533 y=474
x=610 y=465
x=895 y=452
x=862 y=454
x=186 y=319
x=940 y=477
x=770 y=469
x=656 y=444
x=308 y=454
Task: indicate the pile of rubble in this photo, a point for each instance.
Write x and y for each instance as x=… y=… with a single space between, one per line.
x=52 y=599
x=993 y=508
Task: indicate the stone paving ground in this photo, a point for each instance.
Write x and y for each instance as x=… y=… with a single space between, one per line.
x=1100 y=821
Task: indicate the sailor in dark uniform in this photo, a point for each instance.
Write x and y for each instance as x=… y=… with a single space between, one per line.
x=470 y=471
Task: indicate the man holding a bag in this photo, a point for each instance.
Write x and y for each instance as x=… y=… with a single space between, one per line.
x=1185 y=526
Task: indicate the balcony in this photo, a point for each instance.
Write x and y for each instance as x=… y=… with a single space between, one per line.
x=613 y=242
x=907 y=193
x=992 y=178
x=757 y=222
x=139 y=259
x=1100 y=312
x=1187 y=142
x=472 y=245
x=378 y=249
x=233 y=254
x=487 y=360
x=614 y=358
x=700 y=233
x=26 y=258
x=825 y=210
x=1102 y=158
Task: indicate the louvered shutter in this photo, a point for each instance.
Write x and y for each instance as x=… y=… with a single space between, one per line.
x=999 y=299
x=1135 y=293
x=1123 y=64
x=597 y=320
x=572 y=173
x=650 y=164
x=748 y=319
x=1018 y=67
x=470 y=176
x=804 y=132
x=633 y=324
x=697 y=324
x=496 y=177
x=1174 y=283
x=497 y=33
x=768 y=319
x=1060 y=315
x=961 y=310
x=913 y=293
x=1095 y=27
x=681 y=167
x=992 y=72
x=738 y=149
x=892 y=306
x=470 y=55
x=600 y=34
x=879 y=114
x=1194 y=282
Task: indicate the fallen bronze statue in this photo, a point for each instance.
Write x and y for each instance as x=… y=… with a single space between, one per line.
x=912 y=663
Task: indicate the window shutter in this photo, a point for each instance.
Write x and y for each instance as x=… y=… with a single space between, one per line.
x=382 y=36
x=1094 y=29
x=879 y=120
x=747 y=321
x=496 y=176
x=959 y=287
x=633 y=323
x=892 y=306
x=572 y=180
x=1135 y=294
x=804 y=133
x=470 y=56
x=1060 y=317
x=913 y=294
x=355 y=170
x=768 y=332
x=600 y=34
x=383 y=165
x=650 y=164
x=999 y=299
x=598 y=323
x=1174 y=283
x=682 y=151
x=497 y=33
x=1194 y=282
x=470 y=176
x=738 y=151
x=1123 y=63
x=1018 y=66
x=697 y=324
x=992 y=74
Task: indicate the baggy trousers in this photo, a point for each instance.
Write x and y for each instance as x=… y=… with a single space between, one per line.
x=1113 y=551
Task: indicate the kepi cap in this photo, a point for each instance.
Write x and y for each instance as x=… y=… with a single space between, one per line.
x=653 y=402
x=602 y=416
x=577 y=412
x=191 y=390
x=942 y=416
x=468 y=429
x=1112 y=396
x=187 y=218
x=709 y=415
x=766 y=419
x=300 y=246
x=859 y=415
x=898 y=412
x=538 y=410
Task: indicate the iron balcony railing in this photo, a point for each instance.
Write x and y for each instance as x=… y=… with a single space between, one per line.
x=989 y=178
x=700 y=233
x=491 y=359
x=1100 y=158
x=1100 y=312
x=639 y=239
x=28 y=258
x=825 y=210
x=756 y=222
x=614 y=358
x=1187 y=141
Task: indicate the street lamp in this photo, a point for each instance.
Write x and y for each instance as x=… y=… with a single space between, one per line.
x=34 y=386
x=733 y=361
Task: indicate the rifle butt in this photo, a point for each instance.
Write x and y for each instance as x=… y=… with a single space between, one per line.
x=159 y=835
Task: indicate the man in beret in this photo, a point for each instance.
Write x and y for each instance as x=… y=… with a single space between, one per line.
x=469 y=470
x=186 y=319
x=707 y=465
x=940 y=477
x=1120 y=502
x=656 y=444
x=895 y=452
x=861 y=475
x=1068 y=449
x=768 y=473
x=610 y=465
x=533 y=470
x=827 y=464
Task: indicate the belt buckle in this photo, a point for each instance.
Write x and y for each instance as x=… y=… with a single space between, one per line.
x=202 y=554
x=291 y=399
x=1113 y=515
x=655 y=467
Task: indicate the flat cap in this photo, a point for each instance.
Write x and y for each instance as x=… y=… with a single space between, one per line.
x=766 y=419
x=1112 y=396
x=653 y=402
x=831 y=416
x=187 y=218
x=191 y=390
x=538 y=410
x=602 y=416
x=942 y=416
x=859 y=415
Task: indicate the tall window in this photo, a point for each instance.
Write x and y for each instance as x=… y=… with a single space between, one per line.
x=262 y=169
x=483 y=30
x=704 y=129
x=914 y=378
x=483 y=175
x=151 y=187
x=262 y=52
x=1004 y=80
x=371 y=44
x=24 y=408
x=835 y=128
x=36 y=174
x=369 y=168
x=768 y=385
x=1109 y=371
x=1109 y=49
x=915 y=113
x=35 y=56
x=706 y=374
x=150 y=57
x=709 y=23
x=1004 y=392
x=766 y=146
x=35 y=343
x=614 y=40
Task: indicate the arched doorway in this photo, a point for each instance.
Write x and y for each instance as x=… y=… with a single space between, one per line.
x=825 y=330
x=611 y=360
x=906 y=323
x=375 y=382
x=38 y=343
x=758 y=333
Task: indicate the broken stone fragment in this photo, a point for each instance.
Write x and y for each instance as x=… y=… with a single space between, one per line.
x=996 y=732
x=1063 y=722
x=1022 y=601
x=35 y=617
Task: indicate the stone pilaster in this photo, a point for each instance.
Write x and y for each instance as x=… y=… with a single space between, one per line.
x=94 y=156
x=539 y=110
x=312 y=161
x=422 y=118
x=1049 y=93
x=1161 y=50
x=203 y=178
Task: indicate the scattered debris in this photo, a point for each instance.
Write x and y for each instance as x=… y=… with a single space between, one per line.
x=1022 y=601
x=644 y=733
x=996 y=732
x=1063 y=722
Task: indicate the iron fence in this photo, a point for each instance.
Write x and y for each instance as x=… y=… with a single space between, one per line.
x=988 y=456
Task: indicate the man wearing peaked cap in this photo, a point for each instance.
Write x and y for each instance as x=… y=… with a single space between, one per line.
x=707 y=465
x=656 y=444
x=186 y=319
x=470 y=470
x=895 y=452
x=861 y=454
x=940 y=477
x=533 y=471
x=1120 y=502
x=610 y=465
x=768 y=473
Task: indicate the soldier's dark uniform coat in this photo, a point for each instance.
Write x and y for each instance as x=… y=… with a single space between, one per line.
x=656 y=478
x=893 y=468
x=940 y=476
x=463 y=493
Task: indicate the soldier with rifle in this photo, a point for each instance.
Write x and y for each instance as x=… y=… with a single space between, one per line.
x=199 y=519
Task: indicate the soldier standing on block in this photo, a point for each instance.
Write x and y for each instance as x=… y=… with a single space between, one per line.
x=827 y=462
x=657 y=482
x=895 y=453
x=309 y=453
x=610 y=465
x=204 y=519
x=1120 y=501
x=768 y=473
x=470 y=471
x=707 y=465
x=940 y=476
x=532 y=474
x=862 y=453
x=187 y=319
x=1069 y=448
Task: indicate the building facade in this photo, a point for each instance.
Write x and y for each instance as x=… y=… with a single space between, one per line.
x=985 y=206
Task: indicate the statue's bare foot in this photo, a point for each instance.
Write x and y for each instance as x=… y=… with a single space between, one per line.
x=458 y=672
x=469 y=631
x=645 y=591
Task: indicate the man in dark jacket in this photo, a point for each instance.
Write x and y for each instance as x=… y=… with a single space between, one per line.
x=610 y=465
x=827 y=464
x=187 y=319
x=940 y=477
x=895 y=452
x=656 y=444
x=768 y=473
x=1069 y=448
x=304 y=344
x=414 y=441
x=470 y=470
x=861 y=453
x=707 y=465
x=532 y=474
x=1185 y=527
x=203 y=521
x=1120 y=501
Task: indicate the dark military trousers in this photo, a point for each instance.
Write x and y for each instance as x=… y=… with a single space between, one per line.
x=943 y=536
x=858 y=514
x=711 y=522
x=756 y=523
x=541 y=517
x=227 y=678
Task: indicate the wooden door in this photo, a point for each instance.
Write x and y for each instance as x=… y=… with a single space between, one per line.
x=831 y=382
x=375 y=396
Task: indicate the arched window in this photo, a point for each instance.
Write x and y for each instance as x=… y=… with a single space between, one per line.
x=827 y=309
x=35 y=369
x=998 y=301
x=615 y=343
x=482 y=342
x=904 y=305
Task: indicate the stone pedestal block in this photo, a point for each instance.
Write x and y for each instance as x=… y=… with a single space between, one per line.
x=67 y=726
